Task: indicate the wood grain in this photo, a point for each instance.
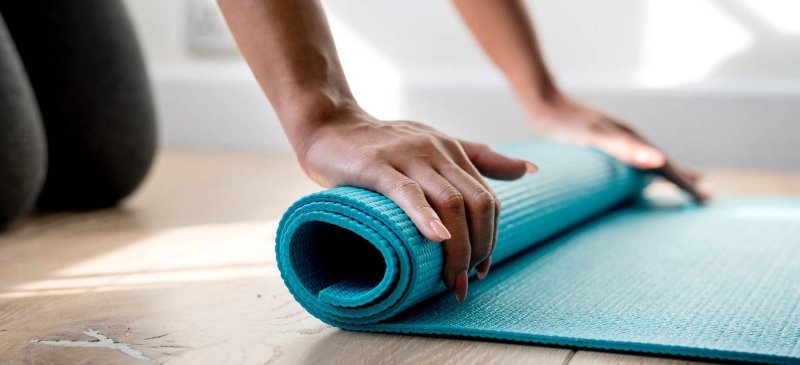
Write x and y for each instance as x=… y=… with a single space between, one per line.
x=184 y=272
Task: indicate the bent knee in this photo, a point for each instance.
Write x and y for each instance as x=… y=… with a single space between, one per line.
x=94 y=182
x=23 y=162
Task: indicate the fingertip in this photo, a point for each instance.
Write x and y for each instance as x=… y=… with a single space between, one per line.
x=461 y=286
x=512 y=170
x=701 y=197
x=440 y=231
x=495 y=165
x=508 y=169
x=483 y=268
x=648 y=159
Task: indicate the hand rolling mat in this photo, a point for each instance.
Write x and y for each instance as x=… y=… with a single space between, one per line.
x=575 y=265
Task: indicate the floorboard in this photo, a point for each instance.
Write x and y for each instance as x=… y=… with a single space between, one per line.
x=184 y=272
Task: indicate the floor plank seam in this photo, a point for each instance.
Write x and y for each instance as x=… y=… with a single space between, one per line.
x=569 y=357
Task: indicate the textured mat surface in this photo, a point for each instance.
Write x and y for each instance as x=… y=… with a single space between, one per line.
x=721 y=281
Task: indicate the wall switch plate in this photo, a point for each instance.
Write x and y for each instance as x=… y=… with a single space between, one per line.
x=207 y=32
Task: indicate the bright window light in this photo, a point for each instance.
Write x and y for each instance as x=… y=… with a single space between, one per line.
x=685 y=40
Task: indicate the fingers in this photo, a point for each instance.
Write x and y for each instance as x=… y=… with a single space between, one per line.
x=646 y=157
x=480 y=204
x=631 y=151
x=637 y=152
x=450 y=204
x=495 y=165
x=461 y=159
x=693 y=176
x=447 y=202
x=439 y=211
x=483 y=267
x=408 y=195
x=442 y=191
x=684 y=181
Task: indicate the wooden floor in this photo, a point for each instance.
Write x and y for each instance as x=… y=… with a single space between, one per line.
x=184 y=272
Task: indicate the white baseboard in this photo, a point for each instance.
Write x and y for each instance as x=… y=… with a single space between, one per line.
x=740 y=124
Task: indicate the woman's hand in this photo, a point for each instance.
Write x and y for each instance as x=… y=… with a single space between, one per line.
x=505 y=31
x=568 y=120
x=434 y=178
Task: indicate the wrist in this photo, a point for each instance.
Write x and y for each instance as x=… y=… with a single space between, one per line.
x=318 y=121
x=542 y=105
x=303 y=112
x=535 y=87
x=307 y=107
x=540 y=97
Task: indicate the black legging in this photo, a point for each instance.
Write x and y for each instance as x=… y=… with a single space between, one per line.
x=77 y=125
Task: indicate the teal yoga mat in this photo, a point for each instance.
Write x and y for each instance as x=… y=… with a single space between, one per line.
x=580 y=261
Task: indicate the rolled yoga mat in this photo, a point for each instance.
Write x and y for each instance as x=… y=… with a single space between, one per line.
x=579 y=262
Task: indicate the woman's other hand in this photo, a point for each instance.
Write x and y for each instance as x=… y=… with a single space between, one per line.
x=566 y=119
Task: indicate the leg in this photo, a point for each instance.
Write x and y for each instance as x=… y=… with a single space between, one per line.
x=23 y=155
x=88 y=74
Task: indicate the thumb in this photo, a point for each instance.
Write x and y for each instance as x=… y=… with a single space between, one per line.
x=494 y=165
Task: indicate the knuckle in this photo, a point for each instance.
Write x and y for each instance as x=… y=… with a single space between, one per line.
x=450 y=142
x=452 y=200
x=404 y=186
x=484 y=201
x=425 y=209
x=423 y=142
x=451 y=169
x=417 y=125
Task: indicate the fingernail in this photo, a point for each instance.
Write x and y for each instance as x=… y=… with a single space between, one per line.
x=530 y=167
x=483 y=268
x=651 y=159
x=440 y=230
x=460 y=286
x=643 y=156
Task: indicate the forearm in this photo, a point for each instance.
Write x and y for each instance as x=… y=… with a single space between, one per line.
x=289 y=47
x=504 y=30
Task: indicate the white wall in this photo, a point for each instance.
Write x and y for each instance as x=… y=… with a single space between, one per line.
x=716 y=82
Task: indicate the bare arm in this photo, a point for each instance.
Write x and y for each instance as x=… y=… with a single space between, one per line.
x=289 y=47
x=505 y=31
x=436 y=179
